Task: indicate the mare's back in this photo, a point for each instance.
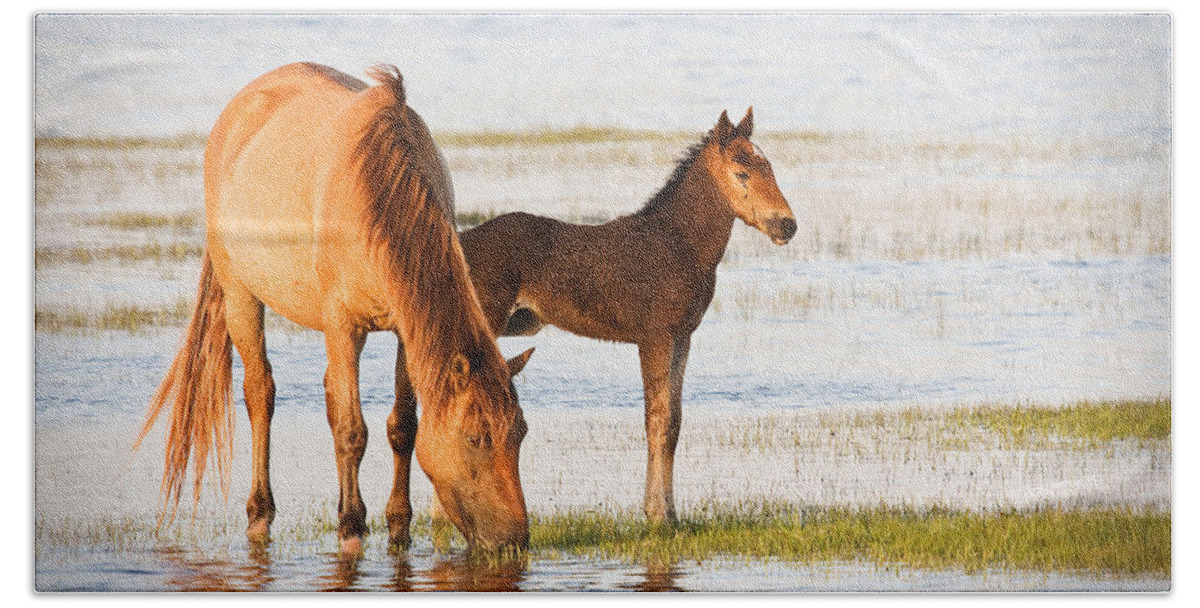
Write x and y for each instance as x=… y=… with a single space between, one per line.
x=261 y=165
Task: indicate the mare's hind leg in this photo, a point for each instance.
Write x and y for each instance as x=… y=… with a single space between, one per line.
x=244 y=319
x=663 y=364
x=402 y=434
x=343 y=345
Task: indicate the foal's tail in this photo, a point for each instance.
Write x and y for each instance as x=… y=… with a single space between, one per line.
x=198 y=387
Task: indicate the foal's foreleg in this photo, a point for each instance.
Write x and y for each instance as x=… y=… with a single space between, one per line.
x=662 y=380
x=402 y=435
x=244 y=320
x=343 y=345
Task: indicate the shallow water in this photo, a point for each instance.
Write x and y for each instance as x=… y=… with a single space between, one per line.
x=242 y=568
x=873 y=333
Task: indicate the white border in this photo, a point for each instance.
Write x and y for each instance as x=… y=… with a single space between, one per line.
x=17 y=236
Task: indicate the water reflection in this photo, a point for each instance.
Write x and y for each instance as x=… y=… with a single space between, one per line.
x=191 y=570
x=186 y=572
x=288 y=568
x=659 y=576
x=469 y=572
x=402 y=574
x=344 y=575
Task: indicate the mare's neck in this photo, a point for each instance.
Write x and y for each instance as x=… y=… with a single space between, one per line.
x=699 y=214
x=435 y=310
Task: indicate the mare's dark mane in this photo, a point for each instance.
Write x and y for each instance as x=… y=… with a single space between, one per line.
x=425 y=269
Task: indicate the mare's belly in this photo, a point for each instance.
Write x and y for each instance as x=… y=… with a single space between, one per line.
x=267 y=231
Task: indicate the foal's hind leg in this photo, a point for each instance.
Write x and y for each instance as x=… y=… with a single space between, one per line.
x=663 y=364
x=244 y=320
x=402 y=434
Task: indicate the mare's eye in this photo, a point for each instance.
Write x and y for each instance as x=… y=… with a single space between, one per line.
x=742 y=175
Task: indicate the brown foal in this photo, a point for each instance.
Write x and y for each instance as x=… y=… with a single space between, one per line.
x=645 y=278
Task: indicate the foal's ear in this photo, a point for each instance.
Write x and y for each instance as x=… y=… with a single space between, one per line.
x=746 y=127
x=460 y=371
x=517 y=363
x=724 y=130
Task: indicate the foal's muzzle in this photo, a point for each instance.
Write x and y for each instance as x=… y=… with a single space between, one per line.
x=781 y=229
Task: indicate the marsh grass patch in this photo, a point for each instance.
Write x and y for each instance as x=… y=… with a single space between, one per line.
x=1083 y=425
x=1091 y=422
x=466 y=220
x=132 y=318
x=149 y=252
x=137 y=220
x=175 y=142
x=1097 y=541
x=1114 y=542
x=114 y=317
x=910 y=198
x=550 y=137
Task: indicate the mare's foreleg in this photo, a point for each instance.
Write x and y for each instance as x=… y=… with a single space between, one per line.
x=343 y=345
x=402 y=434
x=663 y=365
x=244 y=320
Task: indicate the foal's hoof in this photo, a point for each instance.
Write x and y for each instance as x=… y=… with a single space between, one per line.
x=662 y=518
x=352 y=546
x=259 y=532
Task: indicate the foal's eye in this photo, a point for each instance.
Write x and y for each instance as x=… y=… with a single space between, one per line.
x=743 y=176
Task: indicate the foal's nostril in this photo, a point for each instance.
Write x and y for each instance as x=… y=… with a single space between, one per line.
x=785 y=228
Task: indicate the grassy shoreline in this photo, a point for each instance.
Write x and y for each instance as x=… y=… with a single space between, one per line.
x=1121 y=540
x=1111 y=542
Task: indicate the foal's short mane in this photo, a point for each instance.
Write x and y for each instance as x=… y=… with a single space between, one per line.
x=424 y=267
x=668 y=190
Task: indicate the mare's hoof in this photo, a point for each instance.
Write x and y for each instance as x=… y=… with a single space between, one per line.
x=352 y=546
x=399 y=542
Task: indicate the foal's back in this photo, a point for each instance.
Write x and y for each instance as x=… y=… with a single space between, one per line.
x=615 y=281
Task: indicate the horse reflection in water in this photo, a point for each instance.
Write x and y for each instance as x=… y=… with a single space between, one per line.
x=464 y=572
x=659 y=576
x=190 y=573
x=406 y=572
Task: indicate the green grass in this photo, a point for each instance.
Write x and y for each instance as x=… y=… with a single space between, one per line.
x=146 y=221
x=156 y=252
x=182 y=141
x=1100 y=542
x=470 y=219
x=1113 y=541
x=123 y=317
x=590 y=135
x=549 y=137
x=486 y=138
x=131 y=318
x=1088 y=421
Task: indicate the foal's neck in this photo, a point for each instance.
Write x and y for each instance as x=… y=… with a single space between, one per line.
x=700 y=215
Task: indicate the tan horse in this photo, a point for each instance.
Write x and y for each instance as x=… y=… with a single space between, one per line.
x=646 y=278
x=328 y=201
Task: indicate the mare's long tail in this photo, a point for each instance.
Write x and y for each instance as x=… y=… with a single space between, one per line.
x=198 y=388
